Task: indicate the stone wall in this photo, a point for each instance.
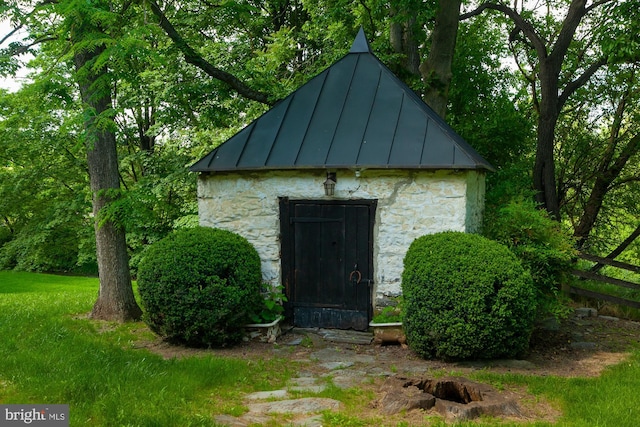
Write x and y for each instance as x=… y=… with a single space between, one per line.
x=410 y=204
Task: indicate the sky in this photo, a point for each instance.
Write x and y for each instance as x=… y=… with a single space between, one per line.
x=10 y=83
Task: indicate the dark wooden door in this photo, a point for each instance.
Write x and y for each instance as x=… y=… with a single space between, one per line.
x=327 y=262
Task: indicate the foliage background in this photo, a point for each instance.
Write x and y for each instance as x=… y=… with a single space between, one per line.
x=168 y=113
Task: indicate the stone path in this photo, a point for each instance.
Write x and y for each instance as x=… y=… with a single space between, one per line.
x=345 y=368
x=342 y=367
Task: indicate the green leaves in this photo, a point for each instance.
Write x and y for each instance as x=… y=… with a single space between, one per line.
x=44 y=197
x=199 y=286
x=540 y=243
x=466 y=297
x=618 y=32
x=271 y=307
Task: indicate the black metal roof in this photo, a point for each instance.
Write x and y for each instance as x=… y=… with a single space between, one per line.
x=355 y=114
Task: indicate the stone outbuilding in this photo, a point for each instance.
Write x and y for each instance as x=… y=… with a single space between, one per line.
x=334 y=182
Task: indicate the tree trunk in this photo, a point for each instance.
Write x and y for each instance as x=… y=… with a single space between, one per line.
x=403 y=41
x=115 y=299
x=610 y=167
x=606 y=176
x=436 y=70
x=551 y=56
x=591 y=210
x=544 y=174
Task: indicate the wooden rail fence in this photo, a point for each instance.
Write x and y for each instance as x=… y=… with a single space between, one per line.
x=592 y=275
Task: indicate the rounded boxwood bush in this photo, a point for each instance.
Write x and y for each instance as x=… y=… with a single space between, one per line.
x=199 y=286
x=466 y=297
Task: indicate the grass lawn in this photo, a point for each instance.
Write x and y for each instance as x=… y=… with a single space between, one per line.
x=51 y=353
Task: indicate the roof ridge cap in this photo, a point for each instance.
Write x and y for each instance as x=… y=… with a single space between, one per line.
x=360 y=44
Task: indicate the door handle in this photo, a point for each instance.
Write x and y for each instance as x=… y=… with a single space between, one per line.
x=355 y=277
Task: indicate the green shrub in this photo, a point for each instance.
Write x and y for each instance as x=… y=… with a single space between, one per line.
x=391 y=313
x=539 y=242
x=199 y=286
x=466 y=297
x=50 y=247
x=271 y=307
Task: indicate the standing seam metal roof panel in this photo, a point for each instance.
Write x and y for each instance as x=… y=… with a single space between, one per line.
x=410 y=136
x=323 y=124
x=353 y=123
x=380 y=134
x=289 y=140
x=227 y=155
x=355 y=114
x=267 y=131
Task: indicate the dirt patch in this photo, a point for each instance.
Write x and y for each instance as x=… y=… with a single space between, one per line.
x=582 y=347
x=577 y=348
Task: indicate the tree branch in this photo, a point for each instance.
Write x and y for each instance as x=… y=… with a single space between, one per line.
x=7 y=222
x=20 y=49
x=628 y=151
x=522 y=24
x=623 y=181
x=576 y=12
x=28 y=15
x=596 y=4
x=576 y=84
x=10 y=34
x=617 y=251
x=192 y=57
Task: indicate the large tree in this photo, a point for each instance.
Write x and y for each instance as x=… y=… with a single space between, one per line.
x=88 y=25
x=88 y=38
x=91 y=39
x=557 y=58
x=436 y=69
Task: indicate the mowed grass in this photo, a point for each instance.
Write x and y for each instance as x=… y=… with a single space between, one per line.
x=50 y=352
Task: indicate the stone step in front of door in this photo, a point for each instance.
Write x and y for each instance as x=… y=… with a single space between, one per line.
x=340 y=335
